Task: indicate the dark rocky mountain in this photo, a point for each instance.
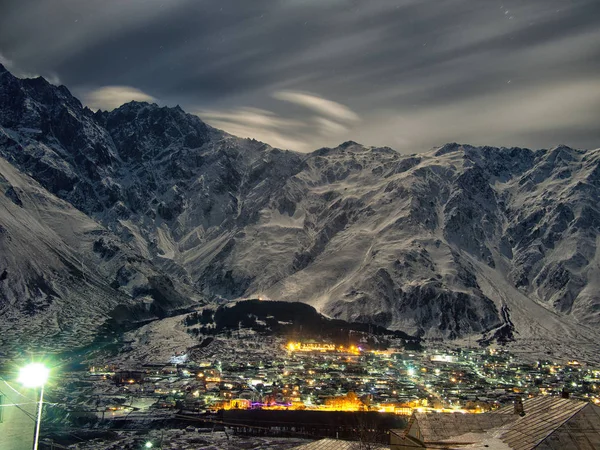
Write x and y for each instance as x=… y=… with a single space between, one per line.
x=459 y=240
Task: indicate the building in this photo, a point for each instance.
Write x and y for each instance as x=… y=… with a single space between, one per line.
x=334 y=444
x=240 y=403
x=129 y=377
x=544 y=423
x=17 y=416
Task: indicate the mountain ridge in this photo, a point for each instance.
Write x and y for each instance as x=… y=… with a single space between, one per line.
x=439 y=243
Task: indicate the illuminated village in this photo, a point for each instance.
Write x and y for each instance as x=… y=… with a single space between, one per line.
x=317 y=376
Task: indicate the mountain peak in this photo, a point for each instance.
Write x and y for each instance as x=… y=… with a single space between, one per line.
x=4 y=71
x=450 y=147
x=562 y=147
x=135 y=104
x=347 y=144
x=38 y=81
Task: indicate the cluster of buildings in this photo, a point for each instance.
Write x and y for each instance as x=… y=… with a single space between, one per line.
x=325 y=377
x=432 y=389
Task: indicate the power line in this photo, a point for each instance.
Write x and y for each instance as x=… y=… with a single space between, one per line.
x=14 y=390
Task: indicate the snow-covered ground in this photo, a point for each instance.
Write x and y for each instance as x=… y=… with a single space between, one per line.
x=190 y=439
x=157 y=342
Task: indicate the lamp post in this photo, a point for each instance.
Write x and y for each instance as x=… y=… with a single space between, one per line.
x=35 y=375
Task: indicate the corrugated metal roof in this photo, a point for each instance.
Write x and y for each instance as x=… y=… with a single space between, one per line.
x=436 y=427
x=581 y=431
x=543 y=415
x=550 y=423
x=334 y=444
x=540 y=404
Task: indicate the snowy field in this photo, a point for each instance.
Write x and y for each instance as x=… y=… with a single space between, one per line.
x=190 y=439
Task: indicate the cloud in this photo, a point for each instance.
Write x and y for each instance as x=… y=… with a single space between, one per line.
x=547 y=113
x=10 y=65
x=319 y=104
x=271 y=137
x=6 y=62
x=64 y=28
x=111 y=97
x=281 y=131
x=259 y=124
x=329 y=127
x=250 y=117
x=317 y=73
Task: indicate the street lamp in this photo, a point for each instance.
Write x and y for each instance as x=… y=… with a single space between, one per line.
x=148 y=444
x=35 y=375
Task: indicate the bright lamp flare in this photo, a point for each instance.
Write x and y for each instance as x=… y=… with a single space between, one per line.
x=33 y=375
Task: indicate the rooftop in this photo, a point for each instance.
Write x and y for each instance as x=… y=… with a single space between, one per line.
x=561 y=423
x=550 y=423
x=334 y=444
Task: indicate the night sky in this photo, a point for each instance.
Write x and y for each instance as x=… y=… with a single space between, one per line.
x=302 y=74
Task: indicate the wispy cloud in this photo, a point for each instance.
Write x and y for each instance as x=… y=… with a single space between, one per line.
x=329 y=127
x=318 y=104
x=259 y=124
x=250 y=117
x=6 y=62
x=271 y=137
x=285 y=132
x=517 y=115
x=111 y=97
x=17 y=72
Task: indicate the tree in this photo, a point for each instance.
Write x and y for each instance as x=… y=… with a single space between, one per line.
x=367 y=434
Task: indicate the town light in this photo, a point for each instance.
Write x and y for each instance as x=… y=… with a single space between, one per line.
x=148 y=444
x=35 y=375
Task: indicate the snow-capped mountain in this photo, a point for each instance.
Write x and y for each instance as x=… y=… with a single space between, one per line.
x=455 y=241
x=63 y=275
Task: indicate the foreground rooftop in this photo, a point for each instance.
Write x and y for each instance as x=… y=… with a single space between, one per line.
x=548 y=423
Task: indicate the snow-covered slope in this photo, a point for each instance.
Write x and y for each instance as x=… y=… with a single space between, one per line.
x=402 y=239
x=455 y=241
x=62 y=275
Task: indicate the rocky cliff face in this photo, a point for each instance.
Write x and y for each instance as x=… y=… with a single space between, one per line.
x=406 y=240
x=455 y=241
